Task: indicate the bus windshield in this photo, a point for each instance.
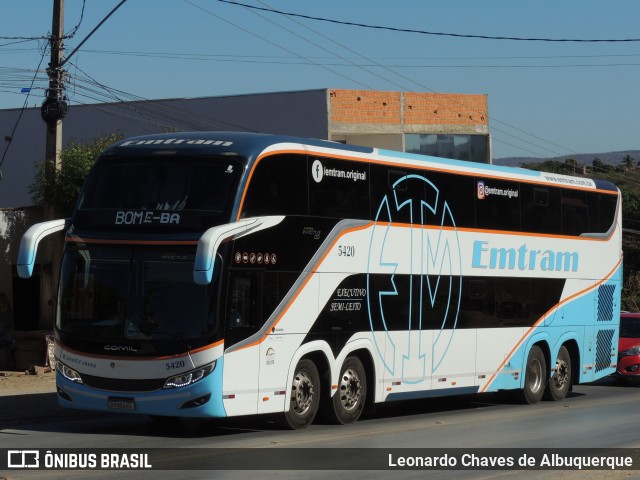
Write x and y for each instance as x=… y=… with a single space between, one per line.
x=200 y=192
x=135 y=295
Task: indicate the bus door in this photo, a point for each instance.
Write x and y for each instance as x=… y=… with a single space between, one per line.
x=241 y=361
x=255 y=363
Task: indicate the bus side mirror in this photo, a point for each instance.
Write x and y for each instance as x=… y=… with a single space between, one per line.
x=212 y=238
x=30 y=241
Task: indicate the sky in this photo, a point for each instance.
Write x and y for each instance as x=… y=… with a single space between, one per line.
x=546 y=98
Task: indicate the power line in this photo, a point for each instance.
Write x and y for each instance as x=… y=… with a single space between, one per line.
x=424 y=32
x=23 y=38
x=146 y=108
x=24 y=106
x=19 y=41
x=66 y=59
x=75 y=29
x=347 y=62
x=311 y=62
x=216 y=56
x=420 y=85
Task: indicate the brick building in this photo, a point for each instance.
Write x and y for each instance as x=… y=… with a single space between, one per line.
x=445 y=125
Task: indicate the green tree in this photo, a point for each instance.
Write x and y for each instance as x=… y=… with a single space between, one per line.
x=599 y=166
x=628 y=162
x=571 y=166
x=631 y=206
x=551 y=166
x=76 y=160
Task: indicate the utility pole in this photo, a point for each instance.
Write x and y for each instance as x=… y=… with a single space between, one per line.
x=53 y=110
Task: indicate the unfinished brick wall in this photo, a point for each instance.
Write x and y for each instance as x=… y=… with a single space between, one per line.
x=444 y=109
x=408 y=108
x=364 y=106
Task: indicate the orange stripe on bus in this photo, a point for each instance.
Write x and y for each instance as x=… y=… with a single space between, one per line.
x=130 y=242
x=497 y=232
x=302 y=287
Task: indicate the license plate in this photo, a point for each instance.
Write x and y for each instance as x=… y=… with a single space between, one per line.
x=117 y=403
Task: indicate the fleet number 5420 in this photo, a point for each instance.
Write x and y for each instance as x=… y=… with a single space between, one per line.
x=174 y=365
x=346 y=251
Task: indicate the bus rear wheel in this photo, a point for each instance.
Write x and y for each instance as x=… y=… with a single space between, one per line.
x=560 y=381
x=305 y=395
x=348 y=402
x=535 y=378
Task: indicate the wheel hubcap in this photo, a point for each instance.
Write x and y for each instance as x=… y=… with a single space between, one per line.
x=301 y=393
x=535 y=376
x=561 y=375
x=350 y=389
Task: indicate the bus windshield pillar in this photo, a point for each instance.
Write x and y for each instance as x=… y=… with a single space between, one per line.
x=212 y=238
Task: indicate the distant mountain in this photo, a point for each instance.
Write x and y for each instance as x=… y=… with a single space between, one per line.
x=611 y=158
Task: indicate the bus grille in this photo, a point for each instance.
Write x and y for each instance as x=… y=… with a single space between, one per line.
x=603 y=349
x=605 y=302
x=123 y=385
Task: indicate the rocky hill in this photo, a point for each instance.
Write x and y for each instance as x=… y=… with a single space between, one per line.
x=611 y=158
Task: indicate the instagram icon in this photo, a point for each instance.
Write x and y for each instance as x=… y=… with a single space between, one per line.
x=480 y=190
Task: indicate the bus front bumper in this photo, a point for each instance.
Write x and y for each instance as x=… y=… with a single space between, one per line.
x=202 y=399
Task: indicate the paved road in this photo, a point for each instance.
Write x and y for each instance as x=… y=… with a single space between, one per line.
x=602 y=415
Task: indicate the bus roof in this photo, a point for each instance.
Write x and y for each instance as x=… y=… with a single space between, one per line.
x=251 y=145
x=216 y=143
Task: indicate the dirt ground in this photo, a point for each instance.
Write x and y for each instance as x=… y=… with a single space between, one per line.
x=18 y=383
x=31 y=398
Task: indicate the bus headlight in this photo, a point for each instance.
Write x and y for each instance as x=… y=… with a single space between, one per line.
x=189 y=378
x=68 y=373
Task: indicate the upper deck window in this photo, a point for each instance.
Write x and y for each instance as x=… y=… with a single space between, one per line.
x=146 y=192
x=278 y=187
x=152 y=184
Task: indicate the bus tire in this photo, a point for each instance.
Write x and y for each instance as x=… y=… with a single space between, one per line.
x=560 y=381
x=305 y=396
x=349 y=401
x=535 y=377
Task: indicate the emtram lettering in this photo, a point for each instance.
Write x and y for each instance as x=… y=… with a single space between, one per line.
x=522 y=258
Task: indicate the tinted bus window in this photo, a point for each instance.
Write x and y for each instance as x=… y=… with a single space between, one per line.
x=540 y=209
x=458 y=192
x=338 y=188
x=153 y=184
x=243 y=306
x=278 y=186
x=606 y=211
x=497 y=205
x=434 y=188
x=575 y=214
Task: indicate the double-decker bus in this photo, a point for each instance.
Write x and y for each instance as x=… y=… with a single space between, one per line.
x=222 y=274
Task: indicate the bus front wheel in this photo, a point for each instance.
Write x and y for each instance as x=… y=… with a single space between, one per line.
x=348 y=402
x=305 y=395
x=560 y=381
